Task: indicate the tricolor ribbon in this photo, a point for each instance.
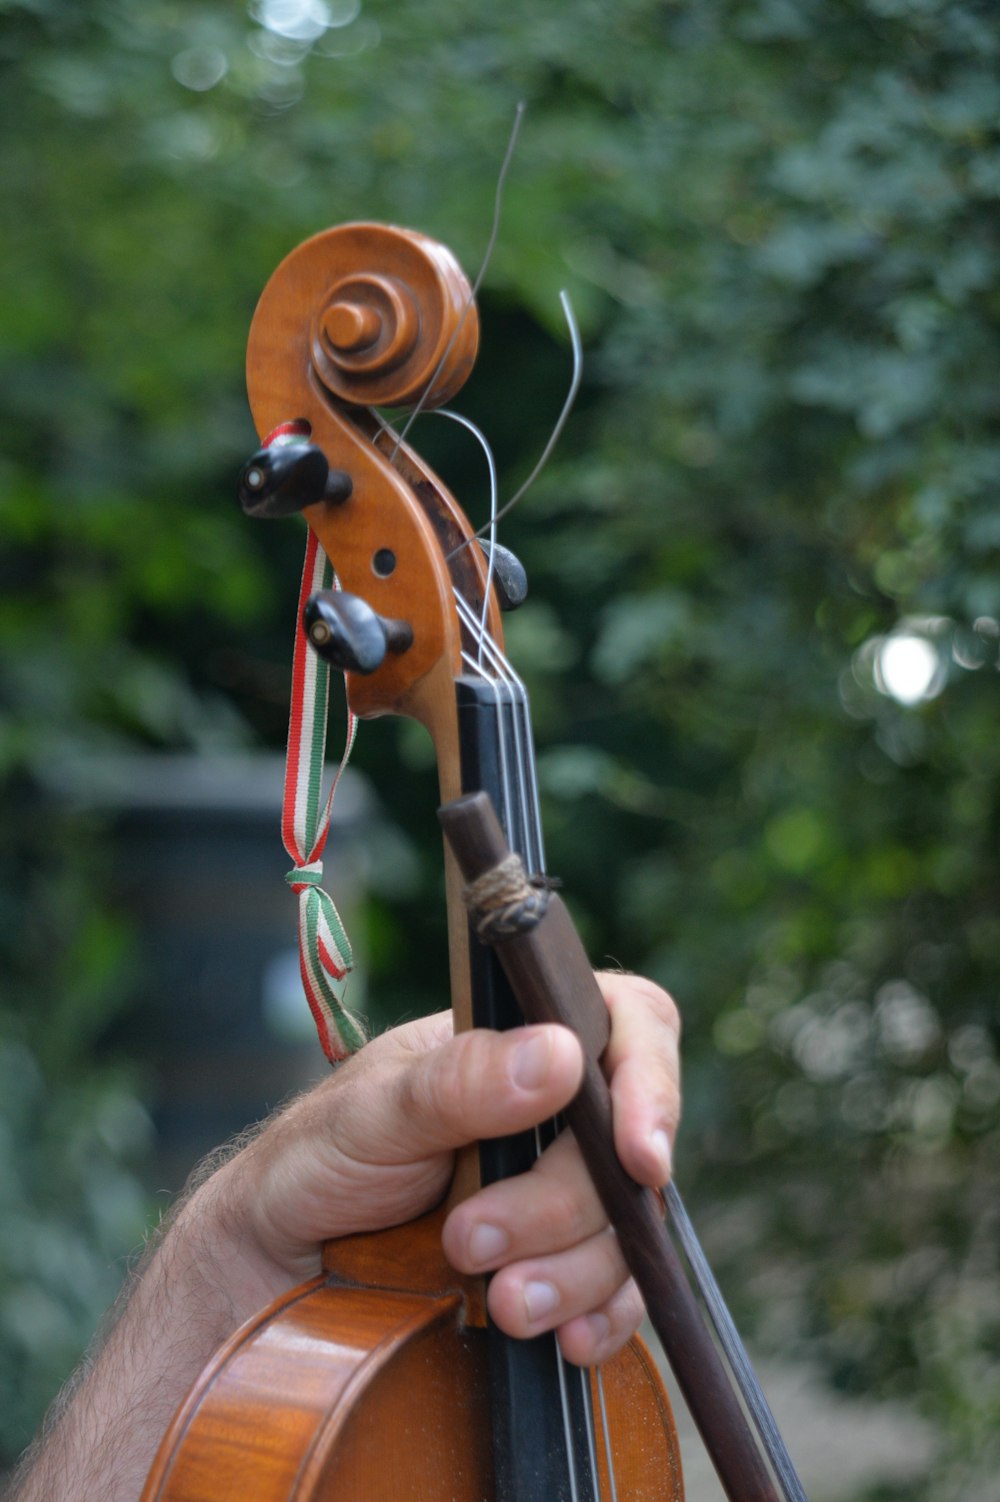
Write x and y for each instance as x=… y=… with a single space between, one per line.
x=324 y=950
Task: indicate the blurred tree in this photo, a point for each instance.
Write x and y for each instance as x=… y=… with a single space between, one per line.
x=764 y=627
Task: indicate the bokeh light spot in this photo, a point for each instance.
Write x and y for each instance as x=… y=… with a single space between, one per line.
x=200 y=68
x=908 y=668
x=299 y=20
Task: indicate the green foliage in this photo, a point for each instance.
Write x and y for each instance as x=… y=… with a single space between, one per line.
x=71 y=1130
x=69 y=1205
x=778 y=224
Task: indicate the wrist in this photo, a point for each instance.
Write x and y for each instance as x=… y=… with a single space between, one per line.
x=213 y=1256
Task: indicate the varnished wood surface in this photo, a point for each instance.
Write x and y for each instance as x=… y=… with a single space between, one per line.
x=336 y=1395
x=397 y=503
x=340 y=1393
x=370 y=1384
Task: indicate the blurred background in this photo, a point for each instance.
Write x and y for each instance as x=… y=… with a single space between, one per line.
x=762 y=637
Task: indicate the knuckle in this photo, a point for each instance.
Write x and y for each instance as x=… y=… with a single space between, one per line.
x=625 y=991
x=442 y=1092
x=566 y=1213
x=625 y=1310
x=614 y=1268
x=661 y=1004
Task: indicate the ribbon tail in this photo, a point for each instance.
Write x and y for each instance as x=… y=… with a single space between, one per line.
x=324 y=952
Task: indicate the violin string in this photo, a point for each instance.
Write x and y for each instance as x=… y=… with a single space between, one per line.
x=506 y=788
x=560 y=423
x=530 y=854
x=568 y=1432
x=583 y=1377
x=491 y=465
x=488 y=644
x=505 y=669
x=536 y=802
x=606 y=1436
x=531 y=835
x=504 y=695
x=527 y=786
x=471 y=299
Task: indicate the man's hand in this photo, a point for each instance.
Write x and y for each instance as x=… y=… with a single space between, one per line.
x=373 y=1147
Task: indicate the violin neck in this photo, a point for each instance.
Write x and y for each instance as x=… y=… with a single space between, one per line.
x=542 y=1420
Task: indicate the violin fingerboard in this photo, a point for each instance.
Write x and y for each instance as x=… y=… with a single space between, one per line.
x=542 y=1410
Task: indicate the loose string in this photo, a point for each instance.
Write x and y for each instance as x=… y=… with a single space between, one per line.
x=491 y=465
x=484 y=265
x=576 y=377
x=561 y=420
x=325 y=952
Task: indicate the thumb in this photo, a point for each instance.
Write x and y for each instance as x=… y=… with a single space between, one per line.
x=425 y=1100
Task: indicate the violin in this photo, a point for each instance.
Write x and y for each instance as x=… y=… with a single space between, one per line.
x=383 y=1378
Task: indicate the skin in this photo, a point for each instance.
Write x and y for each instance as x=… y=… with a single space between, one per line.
x=370 y=1147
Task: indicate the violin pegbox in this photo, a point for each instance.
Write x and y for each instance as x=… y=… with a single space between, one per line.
x=360 y=317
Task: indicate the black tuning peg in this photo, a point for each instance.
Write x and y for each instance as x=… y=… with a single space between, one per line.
x=280 y=480
x=509 y=576
x=347 y=633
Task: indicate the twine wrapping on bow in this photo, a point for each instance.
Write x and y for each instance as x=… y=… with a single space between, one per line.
x=324 y=949
x=504 y=902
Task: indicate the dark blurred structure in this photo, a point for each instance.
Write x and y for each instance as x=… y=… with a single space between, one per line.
x=220 y=1019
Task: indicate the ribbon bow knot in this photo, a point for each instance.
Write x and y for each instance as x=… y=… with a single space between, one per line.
x=324 y=955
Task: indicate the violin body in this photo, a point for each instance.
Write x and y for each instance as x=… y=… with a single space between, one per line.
x=370 y=1384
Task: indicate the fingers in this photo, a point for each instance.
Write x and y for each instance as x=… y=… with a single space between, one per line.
x=475 y=1086
x=372 y=1146
x=643 y=1066
x=543 y=1234
x=584 y=1293
x=556 y=1264
x=549 y=1209
x=597 y=1336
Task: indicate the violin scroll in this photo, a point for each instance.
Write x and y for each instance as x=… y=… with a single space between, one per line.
x=375 y=315
x=360 y=317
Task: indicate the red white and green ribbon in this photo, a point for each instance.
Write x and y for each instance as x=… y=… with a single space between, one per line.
x=324 y=950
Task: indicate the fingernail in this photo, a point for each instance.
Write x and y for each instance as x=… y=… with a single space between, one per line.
x=661 y=1147
x=487 y=1243
x=531 y=1062
x=540 y=1299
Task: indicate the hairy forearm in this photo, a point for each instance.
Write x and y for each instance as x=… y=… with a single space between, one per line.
x=188 y=1295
